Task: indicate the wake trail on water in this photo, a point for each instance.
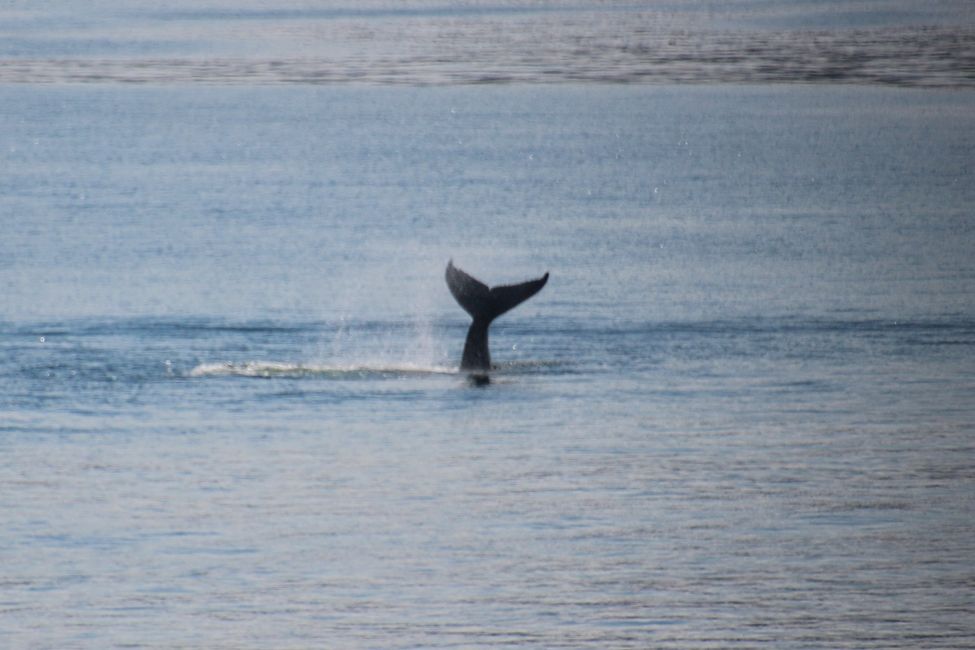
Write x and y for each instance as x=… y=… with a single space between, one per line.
x=340 y=371
x=269 y=369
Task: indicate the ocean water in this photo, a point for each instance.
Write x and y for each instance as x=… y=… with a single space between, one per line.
x=740 y=413
x=432 y=42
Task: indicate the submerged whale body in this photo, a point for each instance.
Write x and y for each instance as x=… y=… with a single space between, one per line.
x=484 y=305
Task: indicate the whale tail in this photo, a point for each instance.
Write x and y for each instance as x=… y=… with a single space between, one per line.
x=484 y=305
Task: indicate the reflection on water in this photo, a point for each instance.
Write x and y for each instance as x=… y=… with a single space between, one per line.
x=418 y=45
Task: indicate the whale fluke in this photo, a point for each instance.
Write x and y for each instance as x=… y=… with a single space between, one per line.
x=484 y=305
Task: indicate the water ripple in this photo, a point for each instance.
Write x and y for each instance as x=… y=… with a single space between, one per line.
x=616 y=47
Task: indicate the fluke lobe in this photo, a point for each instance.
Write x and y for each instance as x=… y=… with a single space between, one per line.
x=484 y=305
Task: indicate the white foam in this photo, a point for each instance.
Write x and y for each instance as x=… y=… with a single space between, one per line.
x=267 y=369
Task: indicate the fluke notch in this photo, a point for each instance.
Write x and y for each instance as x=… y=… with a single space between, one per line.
x=484 y=305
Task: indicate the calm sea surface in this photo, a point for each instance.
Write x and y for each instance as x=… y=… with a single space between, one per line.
x=740 y=413
x=434 y=42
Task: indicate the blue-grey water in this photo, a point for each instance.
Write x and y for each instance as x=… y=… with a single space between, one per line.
x=740 y=413
x=434 y=42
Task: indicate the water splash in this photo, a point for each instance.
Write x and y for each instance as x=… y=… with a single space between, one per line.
x=410 y=344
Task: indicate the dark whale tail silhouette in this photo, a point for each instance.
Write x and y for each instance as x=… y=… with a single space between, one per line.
x=484 y=305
